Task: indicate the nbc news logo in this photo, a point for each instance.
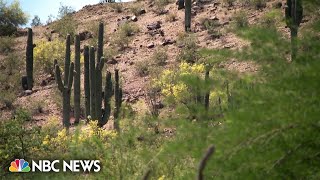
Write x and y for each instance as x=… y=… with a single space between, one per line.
x=20 y=165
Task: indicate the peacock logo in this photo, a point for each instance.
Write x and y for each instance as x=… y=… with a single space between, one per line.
x=19 y=165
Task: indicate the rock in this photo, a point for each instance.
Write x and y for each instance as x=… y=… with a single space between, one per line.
x=150 y=45
x=28 y=92
x=112 y=61
x=153 y=26
x=155 y=32
x=168 y=42
x=43 y=83
x=163 y=11
x=142 y=11
x=134 y=18
x=159 y=105
x=84 y=35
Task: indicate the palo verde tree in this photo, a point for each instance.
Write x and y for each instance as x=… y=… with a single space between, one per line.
x=294 y=15
x=11 y=16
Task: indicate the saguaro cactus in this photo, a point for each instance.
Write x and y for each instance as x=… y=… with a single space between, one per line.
x=98 y=79
x=65 y=87
x=118 y=99
x=77 y=90
x=187 y=15
x=86 y=80
x=294 y=15
x=207 y=95
x=107 y=98
x=92 y=75
x=29 y=59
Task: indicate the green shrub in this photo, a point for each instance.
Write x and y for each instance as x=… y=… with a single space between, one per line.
x=188 y=52
x=117 y=7
x=7 y=44
x=171 y=17
x=240 y=20
x=135 y=9
x=64 y=26
x=212 y=26
x=45 y=52
x=160 y=57
x=142 y=68
x=122 y=37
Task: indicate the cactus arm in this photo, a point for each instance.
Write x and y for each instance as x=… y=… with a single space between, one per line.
x=58 y=78
x=70 y=78
x=100 y=41
x=67 y=59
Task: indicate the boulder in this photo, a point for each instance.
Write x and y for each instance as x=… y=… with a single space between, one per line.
x=84 y=35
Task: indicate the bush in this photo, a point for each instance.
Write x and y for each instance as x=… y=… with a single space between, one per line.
x=212 y=26
x=7 y=44
x=270 y=19
x=11 y=17
x=65 y=26
x=45 y=52
x=189 y=52
x=135 y=9
x=171 y=17
x=229 y=2
x=143 y=68
x=36 y=21
x=160 y=5
x=160 y=57
x=117 y=7
x=121 y=38
x=240 y=20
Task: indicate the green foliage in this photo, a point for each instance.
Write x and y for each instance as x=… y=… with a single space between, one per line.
x=7 y=44
x=136 y=8
x=212 y=26
x=45 y=52
x=117 y=7
x=64 y=26
x=122 y=37
x=142 y=68
x=159 y=57
x=171 y=17
x=65 y=10
x=240 y=20
x=36 y=21
x=189 y=52
x=11 y=17
x=271 y=19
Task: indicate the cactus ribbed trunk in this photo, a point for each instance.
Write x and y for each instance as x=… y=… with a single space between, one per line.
x=92 y=84
x=98 y=108
x=29 y=59
x=294 y=15
x=77 y=90
x=187 y=15
x=118 y=99
x=207 y=95
x=67 y=58
x=86 y=80
x=65 y=86
x=107 y=98
x=100 y=41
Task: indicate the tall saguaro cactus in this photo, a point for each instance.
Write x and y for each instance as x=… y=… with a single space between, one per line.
x=29 y=59
x=66 y=85
x=207 y=95
x=77 y=90
x=118 y=99
x=187 y=22
x=98 y=78
x=86 y=80
x=92 y=75
x=294 y=15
